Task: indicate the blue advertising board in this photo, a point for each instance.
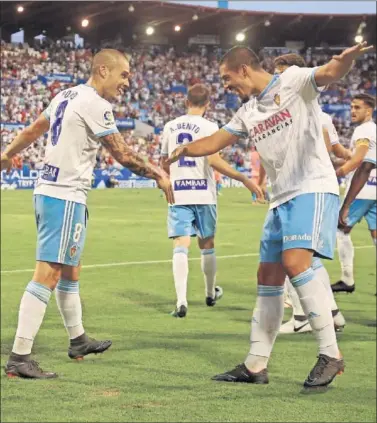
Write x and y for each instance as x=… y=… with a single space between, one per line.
x=27 y=179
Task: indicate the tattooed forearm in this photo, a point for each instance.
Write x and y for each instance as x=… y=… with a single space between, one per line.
x=123 y=154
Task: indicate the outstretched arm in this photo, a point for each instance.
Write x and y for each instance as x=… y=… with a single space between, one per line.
x=123 y=154
x=359 y=179
x=205 y=146
x=339 y=65
x=24 y=139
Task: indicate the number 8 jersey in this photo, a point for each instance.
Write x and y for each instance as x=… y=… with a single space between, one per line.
x=192 y=178
x=78 y=118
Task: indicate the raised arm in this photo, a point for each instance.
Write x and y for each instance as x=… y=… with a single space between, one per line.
x=123 y=154
x=359 y=179
x=339 y=65
x=205 y=146
x=23 y=140
x=224 y=168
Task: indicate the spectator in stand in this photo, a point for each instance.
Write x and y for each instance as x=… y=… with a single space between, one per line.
x=161 y=75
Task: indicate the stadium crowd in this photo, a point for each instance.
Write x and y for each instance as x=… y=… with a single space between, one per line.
x=157 y=93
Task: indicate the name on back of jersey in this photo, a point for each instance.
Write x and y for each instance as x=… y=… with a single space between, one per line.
x=190 y=184
x=185 y=126
x=50 y=173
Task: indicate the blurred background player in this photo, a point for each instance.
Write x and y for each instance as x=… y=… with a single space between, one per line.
x=195 y=212
x=219 y=182
x=79 y=120
x=364 y=205
x=299 y=323
x=282 y=115
x=359 y=179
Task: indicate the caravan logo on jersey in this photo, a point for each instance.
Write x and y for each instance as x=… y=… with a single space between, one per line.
x=190 y=184
x=109 y=118
x=271 y=126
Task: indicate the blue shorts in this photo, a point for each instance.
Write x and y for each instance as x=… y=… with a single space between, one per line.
x=308 y=221
x=192 y=220
x=360 y=208
x=61 y=230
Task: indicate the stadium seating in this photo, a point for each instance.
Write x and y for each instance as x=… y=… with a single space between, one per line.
x=159 y=80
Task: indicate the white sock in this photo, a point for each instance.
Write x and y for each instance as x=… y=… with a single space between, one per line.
x=295 y=300
x=375 y=241
x=69 y=305
x=265 y=324
x=322 y=274
x=316 y=305
x=180 y=274
x=208 y=263
x=32 y=310
x=346 y=254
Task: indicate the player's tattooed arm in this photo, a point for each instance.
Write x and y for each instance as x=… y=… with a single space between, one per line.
x=123 y=154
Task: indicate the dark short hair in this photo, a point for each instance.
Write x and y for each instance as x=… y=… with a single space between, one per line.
x=368 y=99
x=198 y=95
x=290 y=59
x=238 y=56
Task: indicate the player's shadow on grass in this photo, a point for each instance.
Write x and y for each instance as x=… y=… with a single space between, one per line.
x=151 y=301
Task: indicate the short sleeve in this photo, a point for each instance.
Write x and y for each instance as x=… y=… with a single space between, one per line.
x=363 y=136
x=329 y=126
x=100 y=118
x=236 y=126
x=371 y=154
x=47 y=112
x=302 y=80
x=165 y=142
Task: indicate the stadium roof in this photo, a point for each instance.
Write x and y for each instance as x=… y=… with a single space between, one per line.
x=110 y=18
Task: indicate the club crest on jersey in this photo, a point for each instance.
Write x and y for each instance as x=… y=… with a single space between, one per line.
x=277 y=99
x=73 y=251
x=108 y=117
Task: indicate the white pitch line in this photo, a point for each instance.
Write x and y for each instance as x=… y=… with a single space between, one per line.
x=135 y=263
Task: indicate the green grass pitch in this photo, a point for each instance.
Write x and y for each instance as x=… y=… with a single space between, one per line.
x=159 y=368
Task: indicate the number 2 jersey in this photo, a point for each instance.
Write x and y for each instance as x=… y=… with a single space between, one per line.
x=78 y=117
x=192 y=179
x=365 y=134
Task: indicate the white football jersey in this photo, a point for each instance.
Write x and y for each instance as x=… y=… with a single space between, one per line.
x=365 y=134
x=327 y=124
x=284 y=122
x=192 y=178
x=78 y=118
